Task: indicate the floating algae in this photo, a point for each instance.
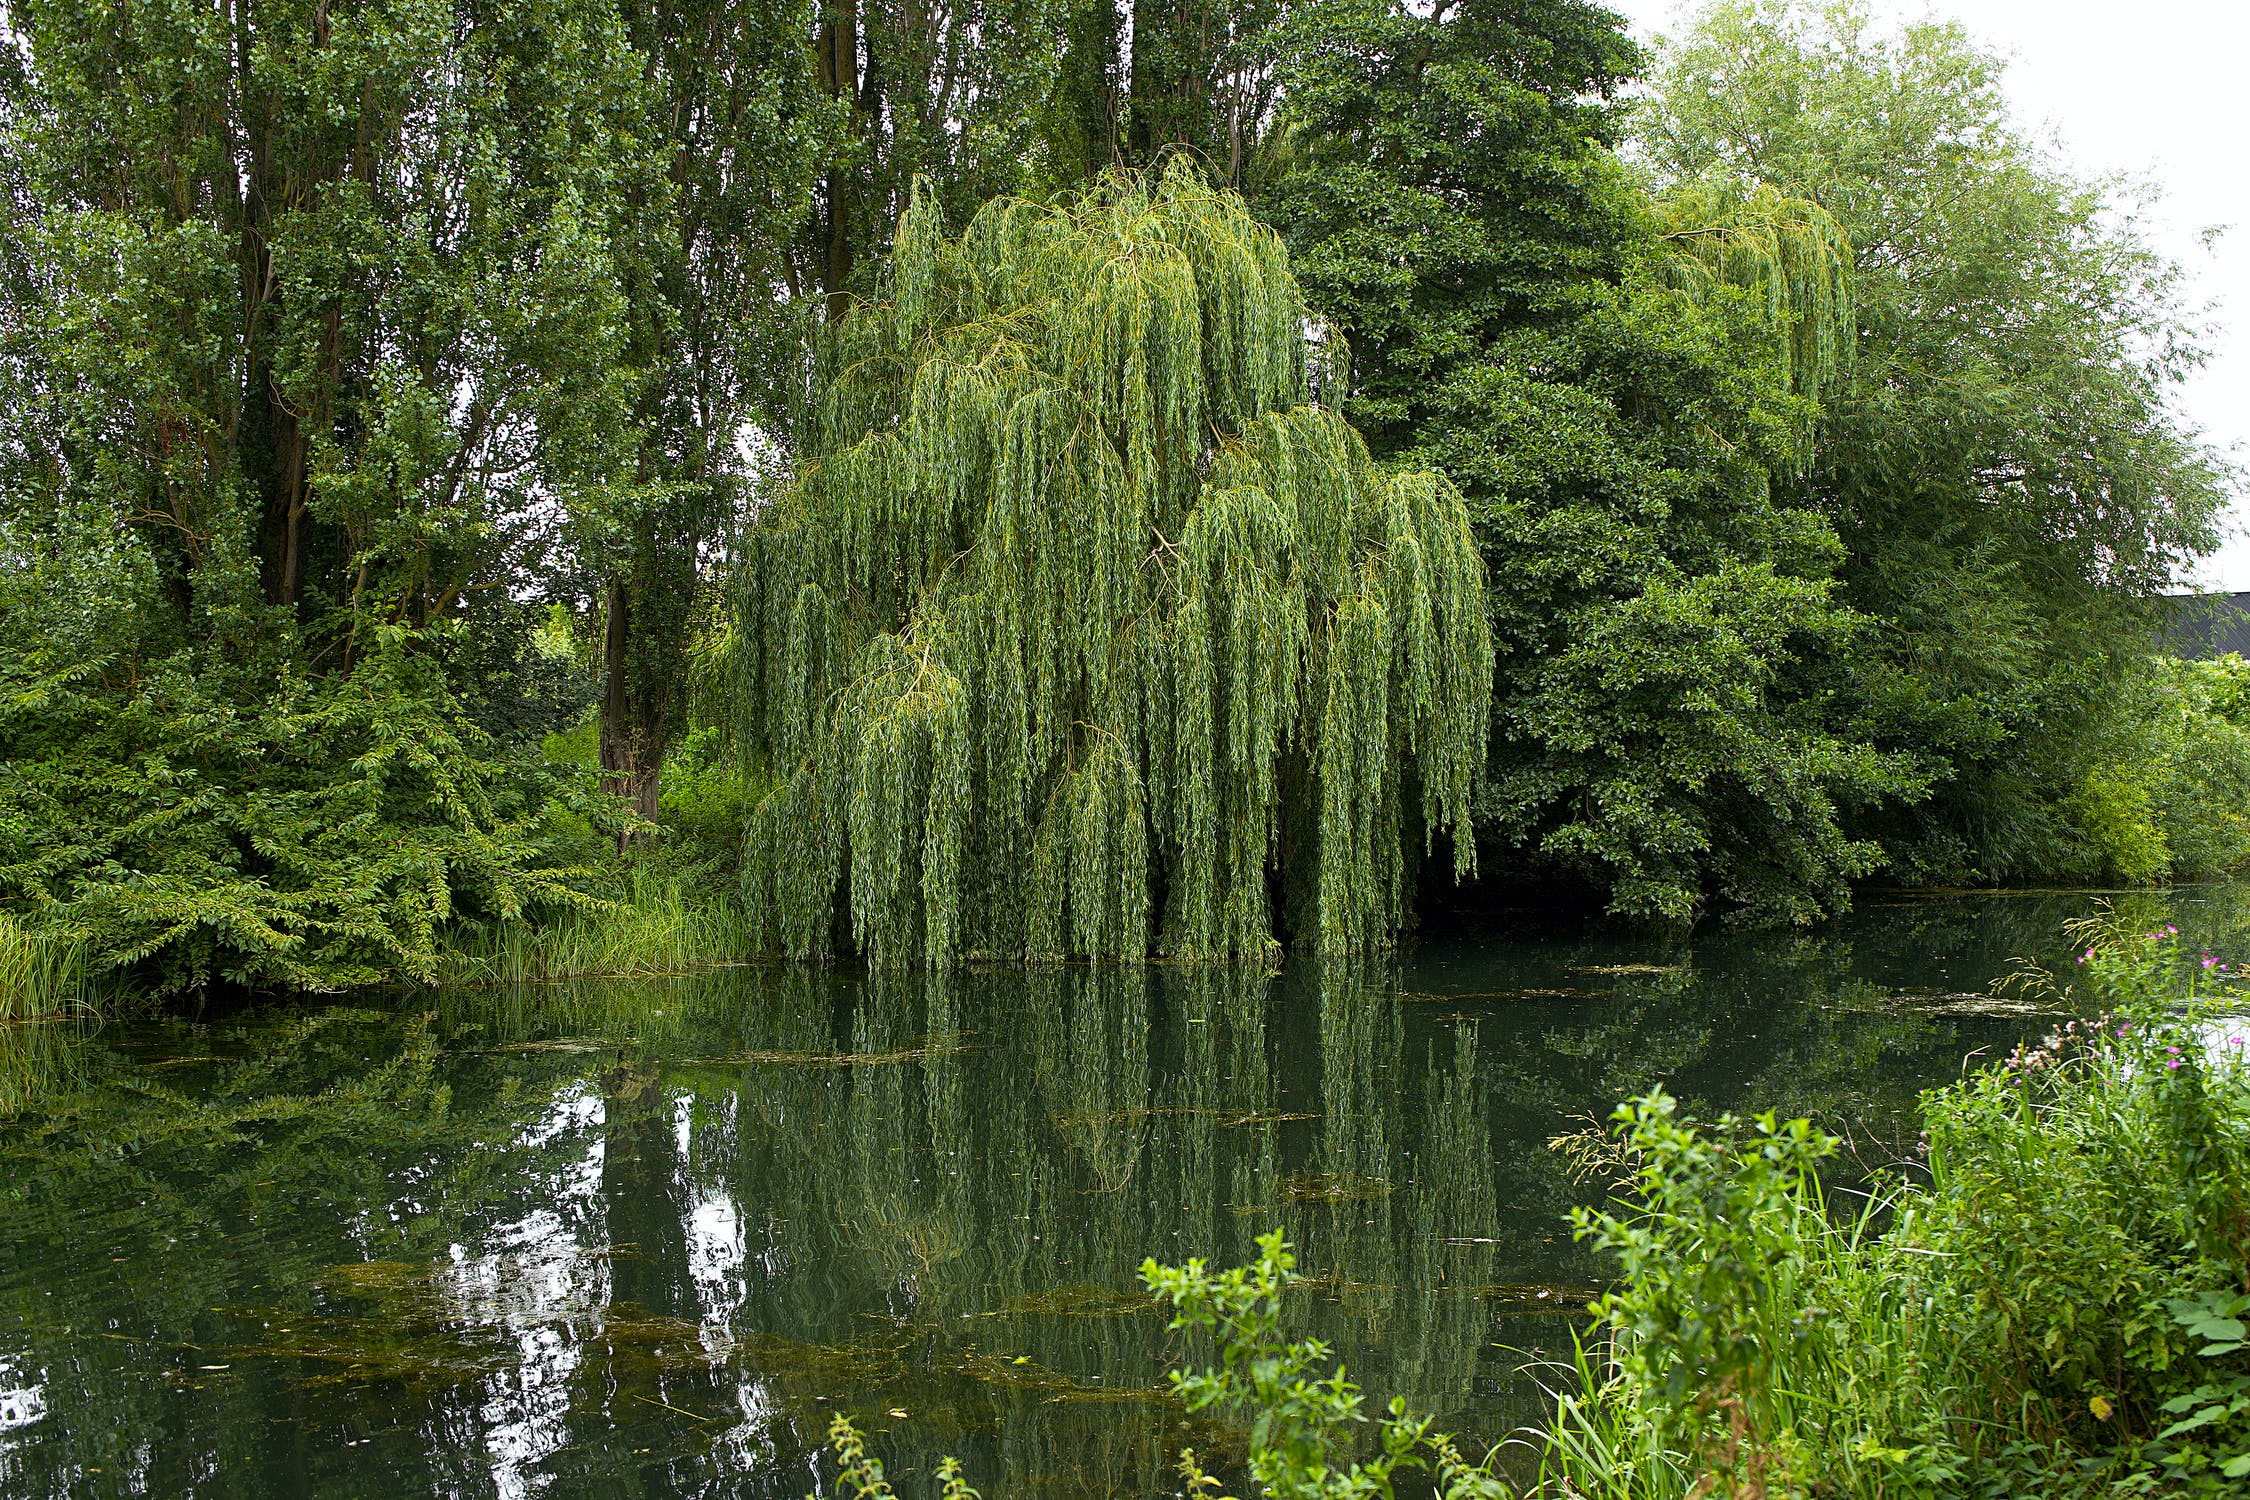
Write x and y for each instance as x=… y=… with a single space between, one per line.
x=1333 y=1187
x=1227 y=1119
x=946 y=1044
x=1528 y=992
x=1973 y=1003
x=1079 y=1302
x=1628 y=968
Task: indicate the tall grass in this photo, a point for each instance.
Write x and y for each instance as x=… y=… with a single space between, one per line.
x=661 y=927
x=41 y=975
x=2053 y=1305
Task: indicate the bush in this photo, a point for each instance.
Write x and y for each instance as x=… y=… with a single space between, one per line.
x=2166 y=792
x=2055 y=1307
x=199 y=822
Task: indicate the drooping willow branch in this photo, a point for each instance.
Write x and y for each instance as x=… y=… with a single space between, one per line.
x=1789 y=252
x=1085 y=631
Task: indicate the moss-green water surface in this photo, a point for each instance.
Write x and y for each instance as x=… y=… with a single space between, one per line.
x=607 y=1239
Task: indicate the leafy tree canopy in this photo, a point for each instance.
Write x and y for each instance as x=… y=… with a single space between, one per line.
x=1086 y=627
x=2006 y=476
x=306 y=319
x=1613 y=384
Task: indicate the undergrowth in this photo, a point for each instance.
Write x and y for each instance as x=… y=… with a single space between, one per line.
x=2052 y=1304
x=659 y=926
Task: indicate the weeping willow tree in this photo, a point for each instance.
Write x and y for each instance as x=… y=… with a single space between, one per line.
x=1788 y=251
x=1087 y=630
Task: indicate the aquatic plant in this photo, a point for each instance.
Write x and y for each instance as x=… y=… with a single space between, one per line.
x=662 y=927
x=1088 y=619
x=862 y=1473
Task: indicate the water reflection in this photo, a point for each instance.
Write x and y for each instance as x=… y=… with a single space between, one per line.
x=563 y=1241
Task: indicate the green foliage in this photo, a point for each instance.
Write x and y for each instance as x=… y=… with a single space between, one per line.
x=705 y=800
x=518 y=676
x=1302 y=1426
x=862 y=1473
x=1613 y=389
x=2163 y=778
x=309 y=321
x=2005 y=472
x=1082 y=623
x=2056 y=1308
x=1700 y=1330
x=2167 y=792
x=42 y=974
x=579 y=745
x=1803 y=481
x=1791 y=252
x=729 y=101
x=333 y=378
x=321 y=834
x=655 y=926
x=962 y=103
x=1300 y=1423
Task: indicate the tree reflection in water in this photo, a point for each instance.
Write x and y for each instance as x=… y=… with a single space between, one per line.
x=575 y=1239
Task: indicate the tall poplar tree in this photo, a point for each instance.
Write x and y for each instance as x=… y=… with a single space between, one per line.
x=1087 y=630
x=729 y=101
x=958 y=93
x=292 y=290
x=308 y=317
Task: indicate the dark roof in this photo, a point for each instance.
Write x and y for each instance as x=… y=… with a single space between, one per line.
x=2206 y=625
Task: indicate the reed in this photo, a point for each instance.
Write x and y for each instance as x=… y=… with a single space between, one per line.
x=660 y=928
x=42 y=975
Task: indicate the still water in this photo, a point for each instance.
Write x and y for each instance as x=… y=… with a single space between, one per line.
x=605 y=1239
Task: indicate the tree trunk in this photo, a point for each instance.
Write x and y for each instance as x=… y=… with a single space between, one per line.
x=632 y=731
x=838 y=60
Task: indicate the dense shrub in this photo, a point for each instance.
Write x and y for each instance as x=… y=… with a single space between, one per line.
x=2166 y=791
x=303 y=832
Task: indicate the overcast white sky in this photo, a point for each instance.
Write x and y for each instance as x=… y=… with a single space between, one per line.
x=2155 y=88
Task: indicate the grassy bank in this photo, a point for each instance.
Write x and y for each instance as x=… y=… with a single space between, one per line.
x=2052 y=1303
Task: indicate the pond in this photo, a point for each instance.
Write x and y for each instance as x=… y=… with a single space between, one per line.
x=605 y=1238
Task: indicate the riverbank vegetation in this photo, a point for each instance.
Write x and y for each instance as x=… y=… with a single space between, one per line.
x=1060 y=483
x=41 y=974
x=2050 y=1303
